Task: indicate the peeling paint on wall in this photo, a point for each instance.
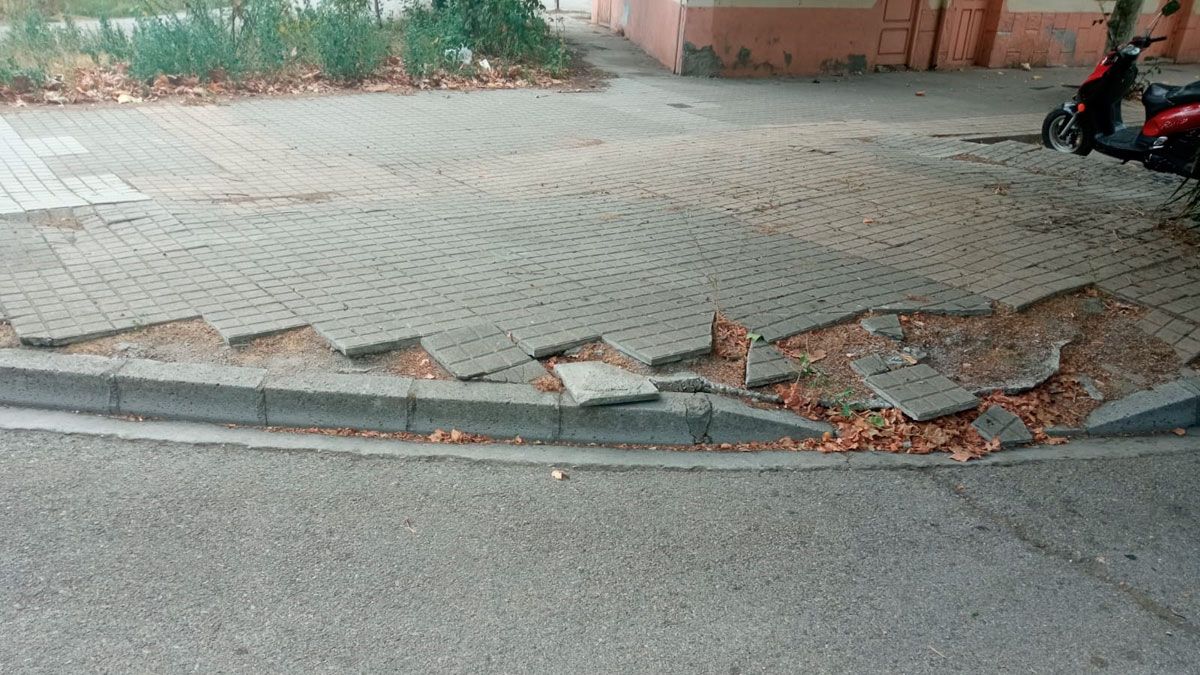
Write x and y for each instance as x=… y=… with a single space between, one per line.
x=743 y=57
x=700 y=62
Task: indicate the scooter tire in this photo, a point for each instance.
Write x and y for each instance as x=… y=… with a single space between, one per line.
x=1060 y=116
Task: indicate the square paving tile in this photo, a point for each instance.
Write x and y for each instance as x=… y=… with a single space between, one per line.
x=921 y=392
x=474 y=350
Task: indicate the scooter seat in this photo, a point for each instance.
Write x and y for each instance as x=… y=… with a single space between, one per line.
x=1188 y=93
x=1156 y=98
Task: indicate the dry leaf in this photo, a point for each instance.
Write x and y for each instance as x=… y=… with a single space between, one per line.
x=816 y=355
x=559 y=474
x=456 y=436
x=921 y=93
x=1179 y=432
x=870 y=221
x=961 y=456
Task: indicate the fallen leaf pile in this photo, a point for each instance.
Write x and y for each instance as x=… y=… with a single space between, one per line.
x=96 y=84
x=729 y=339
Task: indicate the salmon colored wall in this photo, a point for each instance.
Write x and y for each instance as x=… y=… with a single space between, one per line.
x=785 y=41
x=652 y=24
x=758 y=38
x=1066 y=38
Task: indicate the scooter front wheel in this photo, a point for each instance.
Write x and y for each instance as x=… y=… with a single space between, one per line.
x=1062 y=132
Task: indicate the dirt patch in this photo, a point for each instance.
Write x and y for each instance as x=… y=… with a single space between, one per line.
x=598 y=351
x=825 y=356
x=293 y=351
x=113 y=85
x=61 y=219
x=8 y=336
x=1183 y=230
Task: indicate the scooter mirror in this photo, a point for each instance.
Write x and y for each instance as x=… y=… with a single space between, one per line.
x=1170 y=8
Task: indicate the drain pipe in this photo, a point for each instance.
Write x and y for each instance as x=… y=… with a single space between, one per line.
x=937 y=34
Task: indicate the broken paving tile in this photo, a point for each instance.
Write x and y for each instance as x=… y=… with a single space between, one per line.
x=907 y=356
x=766 y=365
x=596 y=383
x=519 y=374
x=885 y=325
x=872 y=364
x=474 y=350
x=998 y=423
x=921 y=392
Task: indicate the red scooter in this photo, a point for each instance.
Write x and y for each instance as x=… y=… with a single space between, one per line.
x=1167 y=142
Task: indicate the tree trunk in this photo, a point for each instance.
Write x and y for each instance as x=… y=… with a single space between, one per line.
x=1122 y=22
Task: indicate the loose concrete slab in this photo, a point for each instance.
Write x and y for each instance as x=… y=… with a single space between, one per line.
x=921 y=392
x=872 y=364
x=998 y=423
x=523 y=373
x=474 y=350
x=765 y=365
x=885 y=325
x=593 y=383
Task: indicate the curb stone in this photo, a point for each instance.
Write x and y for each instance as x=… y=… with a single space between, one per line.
x=251 y=396
x=1165 y=407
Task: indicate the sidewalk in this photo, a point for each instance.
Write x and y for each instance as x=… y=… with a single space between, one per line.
x=628 y=214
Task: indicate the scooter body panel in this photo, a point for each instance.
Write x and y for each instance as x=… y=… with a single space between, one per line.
x=1173 y=121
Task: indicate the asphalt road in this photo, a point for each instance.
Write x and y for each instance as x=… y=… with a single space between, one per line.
x=156 y=557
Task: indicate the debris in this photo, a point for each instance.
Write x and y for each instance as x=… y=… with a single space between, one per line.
x=594 y=383
x=127 y=98
x=1090 y=387
x=766 y=365
x=1179 y=431
x=487 y=67
x=921 y=93
x=870 y=365
x=884 y=325
x=559 y=474
x=1092 y=306
x=999 y=425
x=1026 y=66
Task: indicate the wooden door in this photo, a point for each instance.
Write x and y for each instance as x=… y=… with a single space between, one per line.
x=897 y=32
x=962 y=26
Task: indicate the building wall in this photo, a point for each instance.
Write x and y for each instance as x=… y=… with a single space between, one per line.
x=756 y=38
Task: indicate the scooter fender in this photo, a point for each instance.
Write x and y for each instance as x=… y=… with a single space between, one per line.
x=1173 y=121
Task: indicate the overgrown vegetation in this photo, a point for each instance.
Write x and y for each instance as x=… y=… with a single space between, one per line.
x=90 y=8
x=513 y=31
x=345 y=41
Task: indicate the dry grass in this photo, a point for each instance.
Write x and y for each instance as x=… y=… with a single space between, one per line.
x=8 y=336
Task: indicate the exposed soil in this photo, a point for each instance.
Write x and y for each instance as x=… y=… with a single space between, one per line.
x=8 y=337
x=300 y=350
x=93 y=84
x=828 y=352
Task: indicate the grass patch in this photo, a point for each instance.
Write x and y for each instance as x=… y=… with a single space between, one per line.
x=274 y=40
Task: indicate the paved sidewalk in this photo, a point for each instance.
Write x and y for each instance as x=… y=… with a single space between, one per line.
x=632 y=213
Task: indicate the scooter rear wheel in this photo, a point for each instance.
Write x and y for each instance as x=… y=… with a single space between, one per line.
x=1058 y=137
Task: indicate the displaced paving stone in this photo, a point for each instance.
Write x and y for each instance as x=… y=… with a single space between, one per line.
x=765 y=365
x=520 y=374
x=593 y=383
x=684 y=382
x=907 y=356
x=885 y=325
x=872 y=364
x=1092 y=306
x=474 y=350
x=1090 y=387
x=998 y=423
x=921 y=392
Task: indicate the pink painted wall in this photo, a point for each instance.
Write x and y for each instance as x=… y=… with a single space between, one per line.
x=761 y=41
x=785 y=41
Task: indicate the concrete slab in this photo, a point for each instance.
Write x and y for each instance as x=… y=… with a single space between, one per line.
x=765 y=364
x=872 y=364
x=884 y=325
x=996 y=422
x=593 y=383
x=921 y=392
x=58 y=381
x=474 y=350
x=191 y=391
x=1165 y=407
x=337 y=401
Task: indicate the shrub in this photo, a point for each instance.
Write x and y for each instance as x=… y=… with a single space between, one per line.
x=509 y=30
x=198 y=43
x=348 y=42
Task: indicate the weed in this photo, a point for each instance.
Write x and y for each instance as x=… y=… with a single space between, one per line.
x=506 y=30
x=844 y=402
x=349 y=43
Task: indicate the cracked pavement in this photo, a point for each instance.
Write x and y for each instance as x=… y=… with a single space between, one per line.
x=632 y=213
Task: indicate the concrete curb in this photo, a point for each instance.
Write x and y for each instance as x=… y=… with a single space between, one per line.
x=251 y=396
x=1168 y=406
x=193 y=433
